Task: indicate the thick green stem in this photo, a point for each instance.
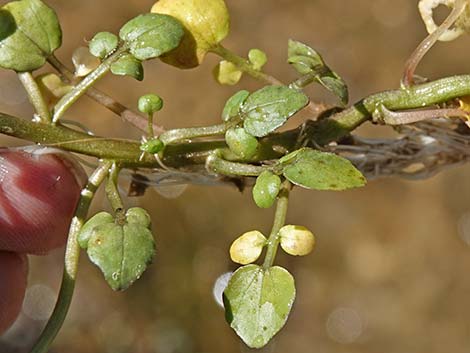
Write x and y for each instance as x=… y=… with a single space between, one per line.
x=80 y=89
x=72 y=255
x=218 y=165
x=182 y=155
x=35 y=96
x=244 y=65
x=279 y=221
x=172 y=136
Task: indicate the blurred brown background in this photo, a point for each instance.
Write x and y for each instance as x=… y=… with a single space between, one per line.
x=390 y=272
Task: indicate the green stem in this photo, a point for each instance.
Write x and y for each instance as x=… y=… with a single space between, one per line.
x=175 y=135
x=105 y=100
x=304 y=80
x=150 y=130
x=279 y=221
x=184 y=155
x=35 y=96
x=72 y=255
x=218 y=165
x=81 y=88
x=244 y=65
x=111 y=190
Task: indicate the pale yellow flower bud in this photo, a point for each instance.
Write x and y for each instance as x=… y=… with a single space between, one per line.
x=248 y=247
x=296 y=240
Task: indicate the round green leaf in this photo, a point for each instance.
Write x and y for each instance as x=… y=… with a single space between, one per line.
x=241 y=143
x=322 y=171
x=258 y=301
x=269 y=108
x=87 y=229
x=151 y=35
x=102 y=44
x=233 y=105
x=266 y=189
x=128 y=65
x=29 y=33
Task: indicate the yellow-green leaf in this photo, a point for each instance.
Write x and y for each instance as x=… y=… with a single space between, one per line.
x=206 y=24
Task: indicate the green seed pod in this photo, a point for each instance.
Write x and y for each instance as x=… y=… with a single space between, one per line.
x=266 y=189
x=102 y=44
x=241 y=143
x=150 y=104
x=248 y=247
x=153 y=146
x=296 y=240
x=257 y=58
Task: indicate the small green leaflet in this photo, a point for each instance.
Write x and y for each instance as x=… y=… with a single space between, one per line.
x=309 y=63
x=29 y=33
x=128 y=65
x=122 y=252
x=266 y=189
x=226 y=73
x=232 y=107
x=258 y=301
x=151 y=35
x=317 y=170
x=269 y=108
x=241 y=143
x=102 y=44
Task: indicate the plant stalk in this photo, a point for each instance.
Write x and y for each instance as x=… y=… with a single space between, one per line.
x=279 y=221
x=72 y=255
x=35 y=96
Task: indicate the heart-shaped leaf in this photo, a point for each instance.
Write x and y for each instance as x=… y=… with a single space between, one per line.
x=151 y=35
x=122 y=252
x=317 y=170
x=29 y=33
x=269 y=108
x=258 y=301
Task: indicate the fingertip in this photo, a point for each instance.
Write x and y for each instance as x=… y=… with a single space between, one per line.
x=38 y=195
x=13 y=276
